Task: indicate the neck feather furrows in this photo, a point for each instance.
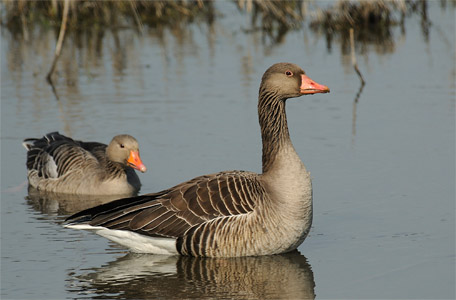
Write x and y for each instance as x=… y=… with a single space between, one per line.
x=274 y=128
x=111 y=168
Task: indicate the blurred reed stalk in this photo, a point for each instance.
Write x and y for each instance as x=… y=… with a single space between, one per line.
x=287 y=13
x=58 y=47
x=353 y=57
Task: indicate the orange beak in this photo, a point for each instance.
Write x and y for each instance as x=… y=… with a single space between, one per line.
x=135 y=162
x=308 y=86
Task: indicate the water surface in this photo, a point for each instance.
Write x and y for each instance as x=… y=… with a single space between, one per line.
x=383 y=167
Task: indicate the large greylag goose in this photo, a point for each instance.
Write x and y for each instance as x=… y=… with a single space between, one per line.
x=59 y=164
x=231 y=213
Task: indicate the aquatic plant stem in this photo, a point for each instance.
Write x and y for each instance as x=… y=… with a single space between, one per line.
x=58 y=47
x=353 y=57
x=355 y=66
x=135 y=13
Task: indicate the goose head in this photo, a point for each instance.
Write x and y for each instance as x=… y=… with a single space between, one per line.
x=124 y=149
x=286 y=80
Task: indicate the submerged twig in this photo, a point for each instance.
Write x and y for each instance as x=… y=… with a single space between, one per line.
x=353 y=57
x=58 y=47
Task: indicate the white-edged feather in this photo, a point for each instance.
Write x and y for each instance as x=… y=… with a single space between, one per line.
x=51 y=167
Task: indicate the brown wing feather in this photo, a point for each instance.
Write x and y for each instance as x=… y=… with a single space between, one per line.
x=71 y=157
x=66 y=153
x=142 y=219
x=204 y=199
x=174 y=211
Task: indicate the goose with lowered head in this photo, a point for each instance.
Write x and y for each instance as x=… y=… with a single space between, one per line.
x=230 y=213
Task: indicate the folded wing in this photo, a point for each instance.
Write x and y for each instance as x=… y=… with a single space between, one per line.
x=172 y=212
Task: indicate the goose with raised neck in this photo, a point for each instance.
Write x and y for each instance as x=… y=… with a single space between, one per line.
x=59 y=164
x=230 y=213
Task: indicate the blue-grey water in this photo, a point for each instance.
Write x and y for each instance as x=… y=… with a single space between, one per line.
x=382 y=159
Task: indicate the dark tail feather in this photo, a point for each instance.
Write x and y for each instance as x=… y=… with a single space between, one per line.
x=87 y=215
x=46 y=140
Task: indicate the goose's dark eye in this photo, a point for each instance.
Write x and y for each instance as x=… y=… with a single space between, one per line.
x=289 y=73
x=122 y=146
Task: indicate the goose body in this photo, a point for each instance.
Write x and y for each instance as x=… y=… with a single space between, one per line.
x=230 y=213
x=59 y=164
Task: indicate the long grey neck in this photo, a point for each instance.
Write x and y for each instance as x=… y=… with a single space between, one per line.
x=273 y=124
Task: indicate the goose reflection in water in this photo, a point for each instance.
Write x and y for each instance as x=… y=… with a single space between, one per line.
x=139 y=276
x=51 y=203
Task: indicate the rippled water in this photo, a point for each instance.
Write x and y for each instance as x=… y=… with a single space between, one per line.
x=382 y=159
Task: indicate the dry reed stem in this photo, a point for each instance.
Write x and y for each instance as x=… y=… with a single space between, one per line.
x=135 y=13
x=353 y=57
x=58 y=47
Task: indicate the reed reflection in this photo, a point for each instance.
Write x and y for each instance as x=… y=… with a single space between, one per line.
x=139 y=276
x=114 y=44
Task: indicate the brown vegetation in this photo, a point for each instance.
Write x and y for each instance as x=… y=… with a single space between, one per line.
x=85 y=14
x=272 y=15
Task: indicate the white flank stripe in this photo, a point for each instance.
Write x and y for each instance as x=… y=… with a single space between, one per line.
x=132 y=240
